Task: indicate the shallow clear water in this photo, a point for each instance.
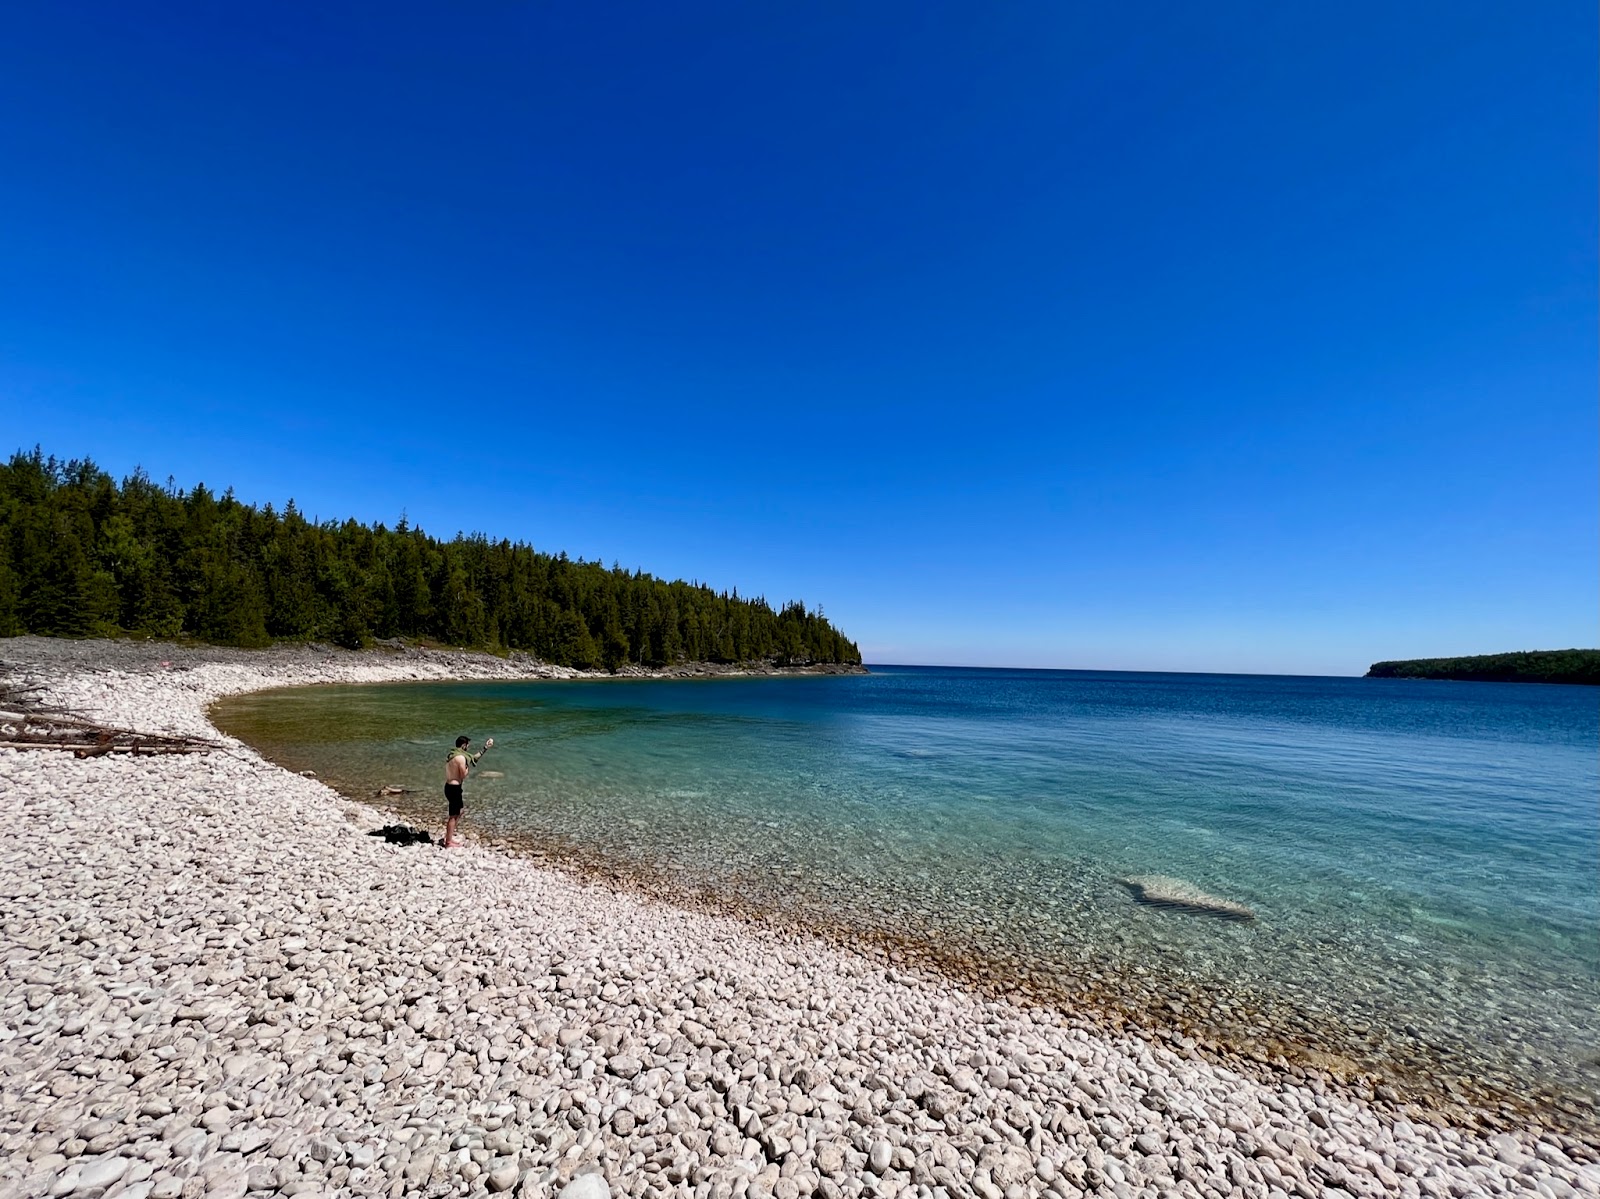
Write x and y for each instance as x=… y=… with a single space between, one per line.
x=1423 y=859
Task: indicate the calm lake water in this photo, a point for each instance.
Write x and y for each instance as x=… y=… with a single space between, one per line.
x=1423 y=859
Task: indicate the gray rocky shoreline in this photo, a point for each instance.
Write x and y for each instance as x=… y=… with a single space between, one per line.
x=214 y=983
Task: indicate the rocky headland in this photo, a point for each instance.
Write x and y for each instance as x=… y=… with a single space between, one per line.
x=214 y=983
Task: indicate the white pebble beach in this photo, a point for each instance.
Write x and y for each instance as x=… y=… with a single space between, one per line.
x=215 y=983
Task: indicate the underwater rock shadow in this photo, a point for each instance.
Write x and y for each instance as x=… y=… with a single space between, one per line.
x=1175 y=895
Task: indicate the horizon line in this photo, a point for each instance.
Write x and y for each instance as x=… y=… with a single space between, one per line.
x=1264 y=674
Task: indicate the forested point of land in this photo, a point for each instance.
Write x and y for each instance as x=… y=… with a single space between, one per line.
x=1527 y=666
x=82 y=555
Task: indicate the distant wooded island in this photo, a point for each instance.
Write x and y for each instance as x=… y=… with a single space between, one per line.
x=1526 y=666
x=82 y=555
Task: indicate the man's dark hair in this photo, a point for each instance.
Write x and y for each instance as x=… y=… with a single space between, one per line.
x=461 y=742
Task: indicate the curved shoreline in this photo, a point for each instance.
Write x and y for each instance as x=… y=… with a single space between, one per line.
x=1268 y=1041
x=295 y=969
x=1327 y=1026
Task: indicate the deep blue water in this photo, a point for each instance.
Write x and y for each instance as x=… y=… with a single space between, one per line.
x=1422 y=858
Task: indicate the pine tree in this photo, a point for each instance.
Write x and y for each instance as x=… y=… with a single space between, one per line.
x=80 y=554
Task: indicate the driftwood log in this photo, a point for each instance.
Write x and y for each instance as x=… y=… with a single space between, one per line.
x=25 y=723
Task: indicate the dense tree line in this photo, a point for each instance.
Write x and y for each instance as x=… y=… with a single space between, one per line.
x=1527 y=666
x=82 y=555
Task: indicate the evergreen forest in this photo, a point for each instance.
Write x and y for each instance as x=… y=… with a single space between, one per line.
x=82 y=555
x=1526 y=666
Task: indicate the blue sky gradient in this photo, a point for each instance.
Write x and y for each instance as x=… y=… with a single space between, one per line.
x=1243 y=337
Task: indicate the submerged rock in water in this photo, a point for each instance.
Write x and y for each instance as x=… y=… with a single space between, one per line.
x=1159 y=891
x=491 y=774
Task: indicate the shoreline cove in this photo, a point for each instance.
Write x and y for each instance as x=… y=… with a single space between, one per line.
x=215 y=982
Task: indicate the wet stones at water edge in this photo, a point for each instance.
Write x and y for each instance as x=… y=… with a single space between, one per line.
x=185 y=1014
x=1175 y=895
x=403 y=834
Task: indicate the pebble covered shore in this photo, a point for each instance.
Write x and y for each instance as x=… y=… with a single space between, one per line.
x=214 y=983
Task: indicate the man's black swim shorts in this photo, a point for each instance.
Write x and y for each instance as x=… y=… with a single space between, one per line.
x=452 y=792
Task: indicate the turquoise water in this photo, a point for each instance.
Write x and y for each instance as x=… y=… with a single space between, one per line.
x=1423 y=859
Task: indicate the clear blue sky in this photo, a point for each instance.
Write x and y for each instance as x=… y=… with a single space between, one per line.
x=1236 y=337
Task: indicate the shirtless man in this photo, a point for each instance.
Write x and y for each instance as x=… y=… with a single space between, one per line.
x=456 y=766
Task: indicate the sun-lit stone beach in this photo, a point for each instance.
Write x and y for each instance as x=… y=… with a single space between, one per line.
x=214 y=983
